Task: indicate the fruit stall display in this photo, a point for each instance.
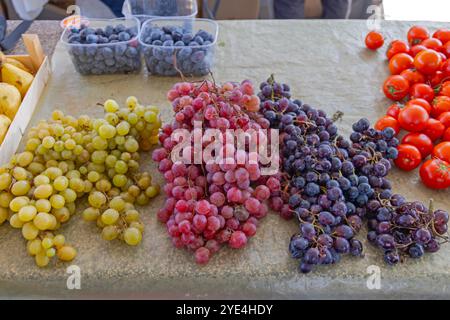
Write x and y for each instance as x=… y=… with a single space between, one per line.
x=334 y=185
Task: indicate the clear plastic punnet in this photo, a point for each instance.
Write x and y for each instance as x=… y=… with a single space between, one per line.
x=147 y=9
x=173 y=46
x=104 y=46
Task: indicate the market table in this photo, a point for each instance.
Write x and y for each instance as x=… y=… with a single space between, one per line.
x=326 y=64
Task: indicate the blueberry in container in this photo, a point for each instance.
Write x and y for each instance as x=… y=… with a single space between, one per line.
x=147 y=9
x=100 y=46
x=179 y=45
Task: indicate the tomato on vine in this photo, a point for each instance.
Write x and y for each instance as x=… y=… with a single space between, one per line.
x=413 y=118
x=394 y=110
x=374 y=40
x=400 y=62
x=420 y=102
x=444 y=118
x=442 y=151
x=446 y=135
x=396 y=87
x=435 y=174
x=440 y=105
x=442 y=34
x=421 y=141
x=423 y=91
x=413 y=76
x=427 y=61
x=395 y=47
x=386 y=122
x=432 y=43
x=434 y=129
x=409 y=157
x=416 y=34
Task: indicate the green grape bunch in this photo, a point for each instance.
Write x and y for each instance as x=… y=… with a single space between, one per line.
x=67 y=159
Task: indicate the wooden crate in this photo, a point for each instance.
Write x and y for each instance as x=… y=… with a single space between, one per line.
x=39 y=63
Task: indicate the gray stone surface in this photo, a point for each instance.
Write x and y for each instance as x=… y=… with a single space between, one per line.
x=326 y=64
x=49 y=33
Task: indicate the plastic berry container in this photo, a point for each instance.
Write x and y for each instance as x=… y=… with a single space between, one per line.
x=147 y=9
x=174 y=46
x=104 y=46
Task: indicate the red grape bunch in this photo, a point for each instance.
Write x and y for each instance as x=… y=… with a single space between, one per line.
x=213 y=203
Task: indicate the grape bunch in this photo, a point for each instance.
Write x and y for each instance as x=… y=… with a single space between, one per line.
x=333 y=185
x=213 y=203
x=317 y=176
x=66 y=159
x=399 y=228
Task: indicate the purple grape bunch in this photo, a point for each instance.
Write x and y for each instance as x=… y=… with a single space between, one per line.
x=332 y=185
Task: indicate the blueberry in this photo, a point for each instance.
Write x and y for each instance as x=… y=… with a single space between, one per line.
x=199 y=40
x=187 y=38
x=197 y=57
x=113 y=37
x=177 y=36
x=74 y=38
x=166 y=37
x=131 y=52
x=179 y=44
x=119 y=28
x=108 y=53
x=157 y=43
x=193 y=44
x=168 y=43
x=155 y=35
x=184 y=53
x=91 y=38
x=89 y=31
x=109 y=30
x=124 y=36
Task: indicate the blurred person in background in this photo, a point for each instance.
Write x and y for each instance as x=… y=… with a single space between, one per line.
x=325 y=9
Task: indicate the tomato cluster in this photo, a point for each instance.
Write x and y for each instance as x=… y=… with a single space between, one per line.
x=420 y=86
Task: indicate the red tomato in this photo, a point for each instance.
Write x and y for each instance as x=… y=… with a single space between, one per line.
x=442 y=151
x=435 y=174
x=442 y=34
x=432 y=43
x=446 y=136
x=423 y=91
x=434 y=129
x=417 y=34
x=443 y=56
x=394 y=110
x=444 y=118
x=445 y=89
x=446 y=49
x=436 y=79
x=374 y=40
x=396 y=87
x=421 y=141
x=400 y=62
x=413 y=76
x=420 y=102
x=387 y=121
x=409 y=157
x=413 y=118
x=445 y=68
x=396 y=46
x=427 y=61
x=416 y=49
x=440 y=105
